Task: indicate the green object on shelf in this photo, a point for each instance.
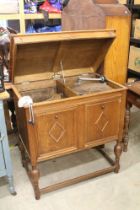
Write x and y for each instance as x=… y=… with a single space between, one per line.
x=137 y=62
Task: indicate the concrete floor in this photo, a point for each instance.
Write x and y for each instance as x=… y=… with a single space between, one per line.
x=109 y=192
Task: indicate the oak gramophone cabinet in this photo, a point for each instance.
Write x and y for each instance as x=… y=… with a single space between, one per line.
x=74 y=108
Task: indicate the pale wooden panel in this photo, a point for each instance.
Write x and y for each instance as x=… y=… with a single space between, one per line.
x=115 y=66
x=22 y=21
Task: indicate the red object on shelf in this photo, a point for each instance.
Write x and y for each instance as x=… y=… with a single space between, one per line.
x=46 y=6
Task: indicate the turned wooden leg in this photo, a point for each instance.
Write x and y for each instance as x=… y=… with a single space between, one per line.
x=35 y=181
x=117 y=151
x=126 y=127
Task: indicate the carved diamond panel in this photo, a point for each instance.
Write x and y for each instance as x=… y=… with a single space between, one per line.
x=102 y=122
x=56 y=132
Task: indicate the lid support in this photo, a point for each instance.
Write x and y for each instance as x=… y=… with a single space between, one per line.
x=62 y=70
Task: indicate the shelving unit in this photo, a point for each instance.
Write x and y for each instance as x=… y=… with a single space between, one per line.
x=134 y=41
x=134 y=8
x=23 y=17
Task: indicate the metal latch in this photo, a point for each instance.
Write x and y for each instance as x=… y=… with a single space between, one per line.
x=31 y=119
x=26 y=101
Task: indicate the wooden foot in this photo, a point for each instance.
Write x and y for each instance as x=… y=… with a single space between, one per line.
x=117 y=151
x=35 y=182
x=126 y=128
x=33 y=173
x=11 y=185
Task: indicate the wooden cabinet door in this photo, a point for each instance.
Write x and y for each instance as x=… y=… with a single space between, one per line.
x=56 y=132
x=102 y=121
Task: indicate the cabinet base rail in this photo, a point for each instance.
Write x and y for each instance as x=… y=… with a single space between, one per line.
x=33 y=171
x=76 y=180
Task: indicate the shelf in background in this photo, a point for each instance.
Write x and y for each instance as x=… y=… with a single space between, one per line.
x=9 y=16
x=28 y=16
x=40 y=16
x=134 y=40
x=133 y=73
x=136 y=6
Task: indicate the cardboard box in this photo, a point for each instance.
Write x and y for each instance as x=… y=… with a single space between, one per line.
x=136 y=1
x=134 y=59
x=9 y=6
x=137 y=29
x=122 y=1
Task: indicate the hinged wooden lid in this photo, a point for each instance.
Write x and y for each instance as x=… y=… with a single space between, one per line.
x=40 y=56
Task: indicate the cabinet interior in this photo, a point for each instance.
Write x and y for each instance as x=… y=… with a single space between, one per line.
x=49 y=90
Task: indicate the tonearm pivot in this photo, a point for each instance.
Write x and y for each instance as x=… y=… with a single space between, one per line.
x=100 y=79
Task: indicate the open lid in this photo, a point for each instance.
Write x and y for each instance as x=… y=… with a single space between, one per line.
x=41 y=56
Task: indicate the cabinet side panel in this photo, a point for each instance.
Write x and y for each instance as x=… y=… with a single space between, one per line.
x=21 y=124
x=122 y=115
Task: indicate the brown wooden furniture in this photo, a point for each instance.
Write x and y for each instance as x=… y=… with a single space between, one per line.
x=133 y=98
x=69 y=114
x=103 y=14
